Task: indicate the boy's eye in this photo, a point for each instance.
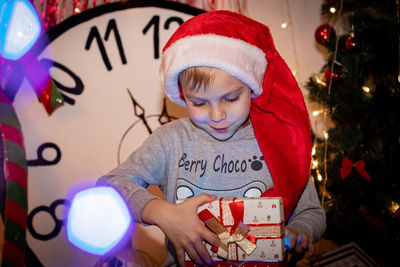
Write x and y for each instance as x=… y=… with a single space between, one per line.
x=231 y=99
x=198 y=104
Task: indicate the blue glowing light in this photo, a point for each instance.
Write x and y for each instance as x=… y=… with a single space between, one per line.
x=97 y=220
x=19 y=28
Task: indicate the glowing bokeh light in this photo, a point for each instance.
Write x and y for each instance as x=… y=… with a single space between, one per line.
x=98 y=220
x=19 y=28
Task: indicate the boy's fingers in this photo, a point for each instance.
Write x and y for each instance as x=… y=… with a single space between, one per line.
x=203 y=253
x=191 y=251
x=305 y=242
x=210 y=237
x=181 y=257
x=203 y=199
x=311 y=249
x=299 y=242
x=291 y=239
x=292 y=242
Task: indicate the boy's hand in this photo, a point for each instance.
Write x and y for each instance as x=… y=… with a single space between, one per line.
x=298 y=243
x=182 y=226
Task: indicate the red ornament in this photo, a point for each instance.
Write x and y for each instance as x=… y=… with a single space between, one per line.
x=328 y=75
x=352 y=45
x=324 y=34
x=347 y=167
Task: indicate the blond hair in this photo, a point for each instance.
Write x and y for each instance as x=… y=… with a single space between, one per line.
x=196 y=78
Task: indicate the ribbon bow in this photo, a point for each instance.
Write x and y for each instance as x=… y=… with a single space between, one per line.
x=237 y=234
x=38 y=76
x=347 y=167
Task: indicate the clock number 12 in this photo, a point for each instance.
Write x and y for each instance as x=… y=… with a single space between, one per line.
x=155 y=22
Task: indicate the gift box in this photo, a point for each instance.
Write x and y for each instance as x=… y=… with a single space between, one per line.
x=250 y=229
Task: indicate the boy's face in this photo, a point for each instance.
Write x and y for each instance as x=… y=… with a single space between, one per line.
x=221 y=108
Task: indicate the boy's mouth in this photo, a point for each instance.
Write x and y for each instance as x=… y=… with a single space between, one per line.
x=219 y=130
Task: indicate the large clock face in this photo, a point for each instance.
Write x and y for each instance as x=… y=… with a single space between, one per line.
x=105 y=62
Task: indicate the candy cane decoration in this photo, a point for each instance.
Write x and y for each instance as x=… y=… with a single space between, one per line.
x=14 y=176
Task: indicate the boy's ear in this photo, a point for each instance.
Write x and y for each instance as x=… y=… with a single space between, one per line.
x=251 y=93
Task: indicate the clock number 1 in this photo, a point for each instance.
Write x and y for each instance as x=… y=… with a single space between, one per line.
x=155 y=22
x=95 y=35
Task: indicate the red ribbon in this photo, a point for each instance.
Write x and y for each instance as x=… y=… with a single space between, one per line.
x=347 y=167
x=237 y=211
x=42 y=83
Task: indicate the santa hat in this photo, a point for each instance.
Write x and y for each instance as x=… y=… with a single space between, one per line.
x=244 y=49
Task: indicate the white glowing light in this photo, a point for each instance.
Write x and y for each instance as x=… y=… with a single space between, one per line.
x=97 y=220
x=19 y=28
x=332 y=10
x=284 y=25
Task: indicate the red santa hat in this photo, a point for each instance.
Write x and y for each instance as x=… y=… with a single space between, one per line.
x=244 y=49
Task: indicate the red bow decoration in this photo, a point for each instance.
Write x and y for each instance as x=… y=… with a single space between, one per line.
x=237 y=234
x=347 y=167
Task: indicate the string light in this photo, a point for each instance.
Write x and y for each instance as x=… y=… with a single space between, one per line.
x=332 y=10
x=314 y=164
x=394 y=206
x=366 y=89
x=285 y=24
x=319 y=176
x=317 y=112
x=287 y=21
x=77 y=10
x=326 y=135
x=319 y=79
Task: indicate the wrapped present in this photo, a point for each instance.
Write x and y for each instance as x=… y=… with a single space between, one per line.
x=250 y=229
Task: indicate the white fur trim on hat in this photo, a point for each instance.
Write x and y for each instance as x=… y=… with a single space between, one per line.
x=234 y=56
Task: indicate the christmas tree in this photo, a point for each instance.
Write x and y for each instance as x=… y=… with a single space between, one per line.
x=356 y=161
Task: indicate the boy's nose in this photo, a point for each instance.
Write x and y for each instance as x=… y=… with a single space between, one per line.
x=217 y=114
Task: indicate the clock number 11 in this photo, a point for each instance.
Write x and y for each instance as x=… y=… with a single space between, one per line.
x=95 y=35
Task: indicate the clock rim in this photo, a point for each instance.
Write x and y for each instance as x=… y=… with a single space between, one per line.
x=47 y=37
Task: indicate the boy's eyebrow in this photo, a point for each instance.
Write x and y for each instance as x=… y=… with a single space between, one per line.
x=196 y=99
x=239 y=88
x=192 y=97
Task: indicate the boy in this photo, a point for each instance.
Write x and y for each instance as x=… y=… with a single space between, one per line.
x=248 y=136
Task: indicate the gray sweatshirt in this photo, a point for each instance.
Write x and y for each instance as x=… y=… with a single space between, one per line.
x=185 y=161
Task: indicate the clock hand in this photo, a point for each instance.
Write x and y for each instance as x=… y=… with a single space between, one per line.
x=164 y=116
x=139 y=111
